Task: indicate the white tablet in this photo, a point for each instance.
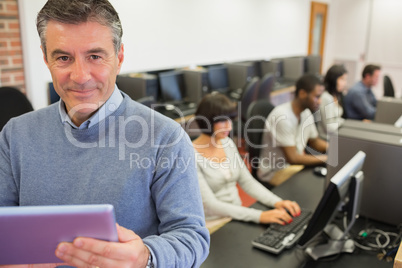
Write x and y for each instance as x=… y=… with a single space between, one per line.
x=30 y=234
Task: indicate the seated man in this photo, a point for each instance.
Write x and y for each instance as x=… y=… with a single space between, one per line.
x=360 y=102
x=289 y=129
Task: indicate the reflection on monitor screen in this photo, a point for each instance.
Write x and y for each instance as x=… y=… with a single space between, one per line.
x=343 y=193
x=171 y=85
x=218 y=78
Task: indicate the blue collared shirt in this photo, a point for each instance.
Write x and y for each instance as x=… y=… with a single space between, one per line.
x=105 y=110
x=360 y=102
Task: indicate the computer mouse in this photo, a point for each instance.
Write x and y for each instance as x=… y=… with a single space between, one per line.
x=169 y=107
x=320 y=171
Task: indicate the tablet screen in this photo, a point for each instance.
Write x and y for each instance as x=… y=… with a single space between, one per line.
x=30 y=234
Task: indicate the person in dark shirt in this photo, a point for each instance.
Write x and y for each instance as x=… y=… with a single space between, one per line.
x=360 y=102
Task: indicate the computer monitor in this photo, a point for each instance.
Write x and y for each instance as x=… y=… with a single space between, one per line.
x=239 y=74
x=196 y=84
x=342 y=193
x=172 y=86
x=218 y=78
x=274 y=66
x=389 y=110
x=139 y=86
x=293 y=68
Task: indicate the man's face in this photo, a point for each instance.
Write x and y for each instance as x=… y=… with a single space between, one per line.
x=312 y=99
x=373 y=79
x=83 y=64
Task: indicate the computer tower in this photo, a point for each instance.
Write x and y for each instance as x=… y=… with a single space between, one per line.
x=389 y=110
x=313 y=64
x=274 y=66
x=138 y=85
x=293 y=68
x=196 y=84
x=239 y=74
x=382 y=170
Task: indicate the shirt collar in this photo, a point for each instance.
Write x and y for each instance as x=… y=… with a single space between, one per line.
x=104 y=111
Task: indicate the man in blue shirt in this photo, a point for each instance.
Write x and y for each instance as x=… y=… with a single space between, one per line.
x=360 y=102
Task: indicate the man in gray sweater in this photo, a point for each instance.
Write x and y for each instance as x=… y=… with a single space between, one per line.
x=98 y=146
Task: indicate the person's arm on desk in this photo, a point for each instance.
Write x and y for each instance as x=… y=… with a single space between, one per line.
x=294 y=158
x=318 y=144
x=256 y=190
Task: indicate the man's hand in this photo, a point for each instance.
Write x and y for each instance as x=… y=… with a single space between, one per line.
x=130 y=251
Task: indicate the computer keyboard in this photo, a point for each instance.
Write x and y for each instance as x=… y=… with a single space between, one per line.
x=278 y=237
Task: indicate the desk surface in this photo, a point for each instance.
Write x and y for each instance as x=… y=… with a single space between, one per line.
x=231 y=245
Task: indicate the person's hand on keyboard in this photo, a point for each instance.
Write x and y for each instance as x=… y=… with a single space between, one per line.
x=292 y=207
x=279 y=216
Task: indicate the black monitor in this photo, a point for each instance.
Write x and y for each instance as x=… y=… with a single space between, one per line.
x=342 y=193
x=218 y=78
x=172 y=86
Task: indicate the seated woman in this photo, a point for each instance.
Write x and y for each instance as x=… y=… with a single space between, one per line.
x=220 y=168
x=331 y=107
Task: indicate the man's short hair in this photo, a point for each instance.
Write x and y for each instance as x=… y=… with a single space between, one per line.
x=213 y=108
x=79 y=11
x=307 y=82
x=370 y=69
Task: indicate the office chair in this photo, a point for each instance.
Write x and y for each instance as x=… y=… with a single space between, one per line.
x=266 y=86
x=12 y=103
x=52 y=94
x=257 y=114
x=249 y=95
x=388 y=87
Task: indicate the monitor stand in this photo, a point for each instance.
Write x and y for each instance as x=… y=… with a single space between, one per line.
x=335 y=245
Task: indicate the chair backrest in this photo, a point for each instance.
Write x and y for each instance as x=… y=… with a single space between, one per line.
x=388 y=87
x=53 y=96
x=257 y=114
x=12 y=103
x=266 y=86
x=249 y=95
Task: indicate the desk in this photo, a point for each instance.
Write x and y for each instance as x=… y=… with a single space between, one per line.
x=282 y=94
x=231 y=245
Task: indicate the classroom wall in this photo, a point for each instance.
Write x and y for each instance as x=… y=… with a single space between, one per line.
x=367 y=31
x=173 y=33
x=161 y=34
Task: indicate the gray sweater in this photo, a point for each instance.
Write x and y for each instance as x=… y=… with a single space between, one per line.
x=137 y=160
